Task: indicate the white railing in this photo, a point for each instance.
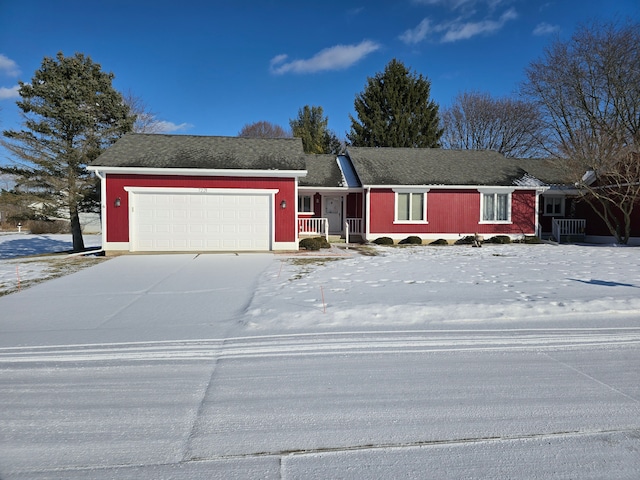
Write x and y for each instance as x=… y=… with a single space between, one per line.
x=567 y=227
x=314 y=226
x=355 y=225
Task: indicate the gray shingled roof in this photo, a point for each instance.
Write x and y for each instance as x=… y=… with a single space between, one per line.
x=436 y=166
x=200 y=152
x=548 y=170
x=432 y=166
x=323 y=171
x=374 y=166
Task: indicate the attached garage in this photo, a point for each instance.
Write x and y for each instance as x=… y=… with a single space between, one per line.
x=170 y=220
x=182 y=193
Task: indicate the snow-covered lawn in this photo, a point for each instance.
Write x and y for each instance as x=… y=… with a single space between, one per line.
x=26 y=259
x=450 y=286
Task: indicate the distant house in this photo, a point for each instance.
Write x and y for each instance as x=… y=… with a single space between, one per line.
x=199 y=193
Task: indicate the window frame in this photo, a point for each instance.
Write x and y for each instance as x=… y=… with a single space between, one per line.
x=301 y=202
x=495 y=192
x=560 y=200
x=410 y=192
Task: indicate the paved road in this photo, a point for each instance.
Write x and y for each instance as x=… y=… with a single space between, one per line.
x=421 y=404
x=384 y=406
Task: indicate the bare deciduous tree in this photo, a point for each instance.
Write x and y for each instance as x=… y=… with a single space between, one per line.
x=263 y=129
x=477 y=121
x=146 y=121
x=588 y=89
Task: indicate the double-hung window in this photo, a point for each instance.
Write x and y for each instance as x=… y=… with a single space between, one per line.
x=495 y=206
x=554 y=206
x=411 y=206
x=305 y=204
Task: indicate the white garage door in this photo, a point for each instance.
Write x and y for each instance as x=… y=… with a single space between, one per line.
x=200 y=222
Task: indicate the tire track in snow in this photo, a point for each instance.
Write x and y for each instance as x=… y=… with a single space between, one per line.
x=351 y=343
x=285 y=454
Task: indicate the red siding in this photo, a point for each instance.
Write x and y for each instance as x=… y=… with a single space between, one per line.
x=118 y=217
x=597 y=226
x=453 y=212
x=523 y=212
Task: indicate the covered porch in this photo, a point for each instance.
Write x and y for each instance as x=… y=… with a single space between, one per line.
x=557 y=220
x=325 y=213
x=568 y=230
x=319 y=227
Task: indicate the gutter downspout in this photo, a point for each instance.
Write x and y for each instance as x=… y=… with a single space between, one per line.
x=367 y=219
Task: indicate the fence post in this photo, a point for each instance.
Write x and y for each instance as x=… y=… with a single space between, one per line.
x=346 y=233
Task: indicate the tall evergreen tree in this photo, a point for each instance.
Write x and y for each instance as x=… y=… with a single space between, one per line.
x=395 y=110
x=311 y=126
x=70 y=112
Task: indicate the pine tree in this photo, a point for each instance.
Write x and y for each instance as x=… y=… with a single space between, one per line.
x=395 y=110
x=71 y=112
x=311 y=126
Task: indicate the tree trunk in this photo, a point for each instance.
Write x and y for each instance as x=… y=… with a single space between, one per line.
x=76 y=231
x=603 y=209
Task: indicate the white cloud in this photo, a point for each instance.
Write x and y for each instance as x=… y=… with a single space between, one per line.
x=545 y=29
x=451 y=4
x=278 y=59
x=465 y=30
x=458 y=29
x=333 y=58
x=416 y=35
x=162 y=126
x=462 y=4
x=8 y=67
x=9 y=93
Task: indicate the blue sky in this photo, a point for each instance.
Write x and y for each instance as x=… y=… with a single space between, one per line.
x=210 y=67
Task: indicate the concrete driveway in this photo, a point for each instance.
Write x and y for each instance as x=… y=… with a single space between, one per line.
x=135 y=298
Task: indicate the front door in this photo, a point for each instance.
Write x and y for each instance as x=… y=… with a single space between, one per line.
x=333 y=213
